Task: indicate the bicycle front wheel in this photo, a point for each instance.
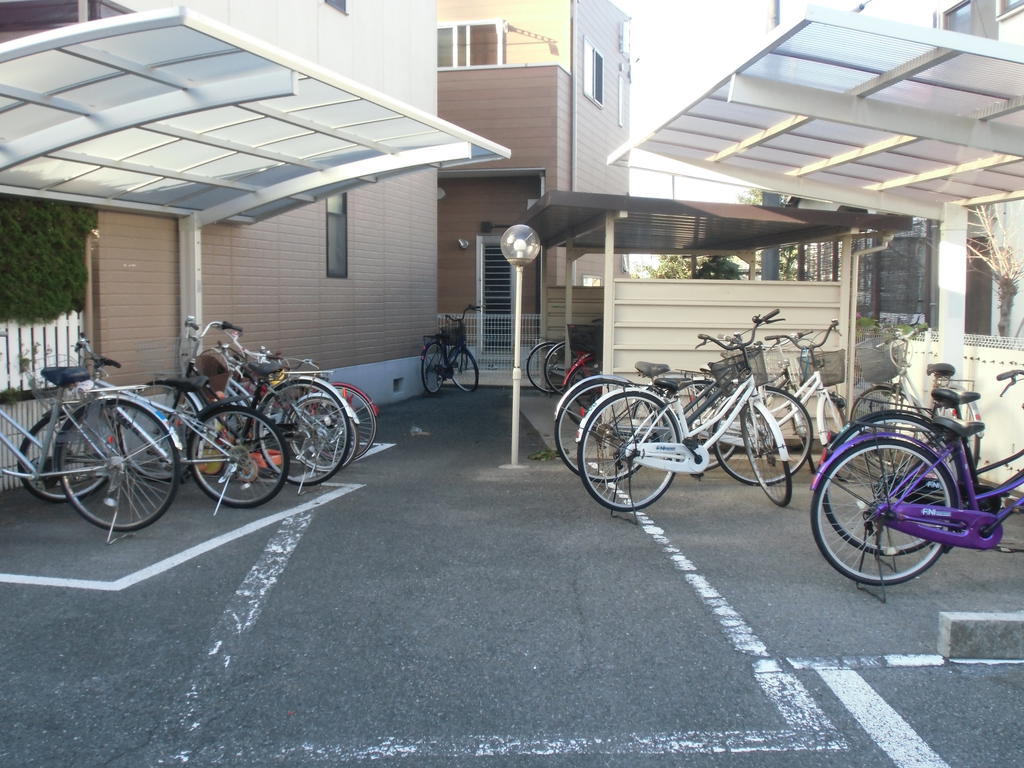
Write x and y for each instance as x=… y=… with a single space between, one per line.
x=432 y=367
x=237 y=455
x=465 y=372
x=794 y=423
x=535 y=365
x=131 y=450
x=608 y=456
x=760 y=441
x=554 y=367
x=850 y=502
x=881 y=397
x=366 y=411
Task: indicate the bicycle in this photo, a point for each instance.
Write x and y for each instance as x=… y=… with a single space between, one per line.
x=887 y=505
x=445 y=356
x=535 y=364
x=102 y=444
x=819 y=370
x=633 y=443
x=220 y=444
x=584 y=343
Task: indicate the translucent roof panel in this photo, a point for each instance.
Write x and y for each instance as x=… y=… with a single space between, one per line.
x=859 y=111
x=167 y=111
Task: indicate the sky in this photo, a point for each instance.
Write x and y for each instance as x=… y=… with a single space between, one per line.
x=681 y=46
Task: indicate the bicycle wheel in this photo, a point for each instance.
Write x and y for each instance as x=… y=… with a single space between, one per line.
x=366 y=411
x=316 y=430
x=432 y=367
x=573 y=408
x=535 y=365
x=554 y=367
x=831 y=415
x=795 y=424
x=465 y=372
x=238 y=456
x=608 y=452
x=49 y=489
x=881 y=397
x=848 y=511
x=132 y=450
x=773 y=473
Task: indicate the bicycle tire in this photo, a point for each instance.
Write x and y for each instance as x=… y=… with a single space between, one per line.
x=133 y=450
x=773 y=472
x=572 y=409
x=366 y=411
x=555 y=368
x=432 y=365
x=239 y=458
x=609 y=441
x=848 y=530
x=316 y=384
x=316 y=429
x=795 y=423
x=49 y=489
x=881 y=397
x=535 y=365
x=465 y=372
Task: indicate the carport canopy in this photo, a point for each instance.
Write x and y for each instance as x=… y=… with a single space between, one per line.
x=864 y=112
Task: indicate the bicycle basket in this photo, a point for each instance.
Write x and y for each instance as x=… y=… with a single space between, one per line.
x=831 y=365
x=876 y=367
x=583 y=338
x=732 y=370
x=453 y=331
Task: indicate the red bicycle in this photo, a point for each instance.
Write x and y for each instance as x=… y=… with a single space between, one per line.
x=584 y=344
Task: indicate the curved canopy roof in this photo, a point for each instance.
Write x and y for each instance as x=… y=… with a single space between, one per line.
x=170 y=112
x=863 y=111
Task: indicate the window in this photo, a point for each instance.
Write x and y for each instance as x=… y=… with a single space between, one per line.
x=337 y=235
x=1009 y=5
x=958 y=18
x=473 y=44
x=592 y=281
x=622 y=100
x=341 y=5
x=593 y=73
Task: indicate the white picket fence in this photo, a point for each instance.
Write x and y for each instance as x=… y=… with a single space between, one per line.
x=25 y=349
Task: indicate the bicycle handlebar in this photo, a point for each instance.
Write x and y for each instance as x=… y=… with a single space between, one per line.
x=737 y=338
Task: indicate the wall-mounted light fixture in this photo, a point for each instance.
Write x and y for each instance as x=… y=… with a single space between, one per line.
x=463 y=243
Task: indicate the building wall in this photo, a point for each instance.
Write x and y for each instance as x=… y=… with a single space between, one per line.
x=270 y=277
x=546 y=26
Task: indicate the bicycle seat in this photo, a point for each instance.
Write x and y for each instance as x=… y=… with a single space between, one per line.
x=940 y=369
x=183 y=384
x=958 y=428
x=264 y=369
x=672 y=384
x=64 y=375
x=651 y=370
x=950 y=398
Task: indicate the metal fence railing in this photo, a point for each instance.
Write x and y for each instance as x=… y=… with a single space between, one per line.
x=490 y=338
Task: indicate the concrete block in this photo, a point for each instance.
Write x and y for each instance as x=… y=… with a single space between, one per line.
x=969 y=635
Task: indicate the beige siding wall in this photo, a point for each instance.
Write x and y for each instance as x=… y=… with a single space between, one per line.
x=658 y=320
x=598 y=131
x=587 y=305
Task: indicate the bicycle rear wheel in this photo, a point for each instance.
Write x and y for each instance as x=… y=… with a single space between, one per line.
x=366 y=411
x=316 y=429
x=131 y=450
x=881 y=397
x=465 y=373
x=773 y=473
x=535 y=365
x=848 y=510
x=572 y=410
x=607 y=456
x=432 y=367
x=238 y=457
x=49 y=489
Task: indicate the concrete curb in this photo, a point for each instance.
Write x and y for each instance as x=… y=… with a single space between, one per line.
x=969 y=635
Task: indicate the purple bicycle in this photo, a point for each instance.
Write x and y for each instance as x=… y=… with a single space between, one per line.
x=887 y=505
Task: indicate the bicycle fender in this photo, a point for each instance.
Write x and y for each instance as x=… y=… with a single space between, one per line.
x=571 y=392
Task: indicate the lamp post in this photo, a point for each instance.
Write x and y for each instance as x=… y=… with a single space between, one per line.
x=520 y=246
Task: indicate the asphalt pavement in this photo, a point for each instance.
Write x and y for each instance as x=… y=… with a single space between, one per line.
x=430 y=607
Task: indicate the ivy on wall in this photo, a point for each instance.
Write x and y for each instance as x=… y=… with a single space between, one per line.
x=42 y=261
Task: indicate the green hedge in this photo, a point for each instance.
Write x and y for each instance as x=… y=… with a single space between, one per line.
x=42 y=258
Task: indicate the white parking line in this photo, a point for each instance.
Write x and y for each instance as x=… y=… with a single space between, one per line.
x=182 y=557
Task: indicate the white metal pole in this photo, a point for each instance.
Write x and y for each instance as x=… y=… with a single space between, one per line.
x=517 y=373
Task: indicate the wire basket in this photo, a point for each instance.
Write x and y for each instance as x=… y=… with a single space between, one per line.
x=777 y=359
x=453 y=330
x=732 y=370
x=875 y=364
x=831 y=365
x=585 y=340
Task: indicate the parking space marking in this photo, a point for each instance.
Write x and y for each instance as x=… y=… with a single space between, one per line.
x=883 y=724
x=184 y=556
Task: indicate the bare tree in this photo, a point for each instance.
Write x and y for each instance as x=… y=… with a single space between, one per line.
x=996 y=248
